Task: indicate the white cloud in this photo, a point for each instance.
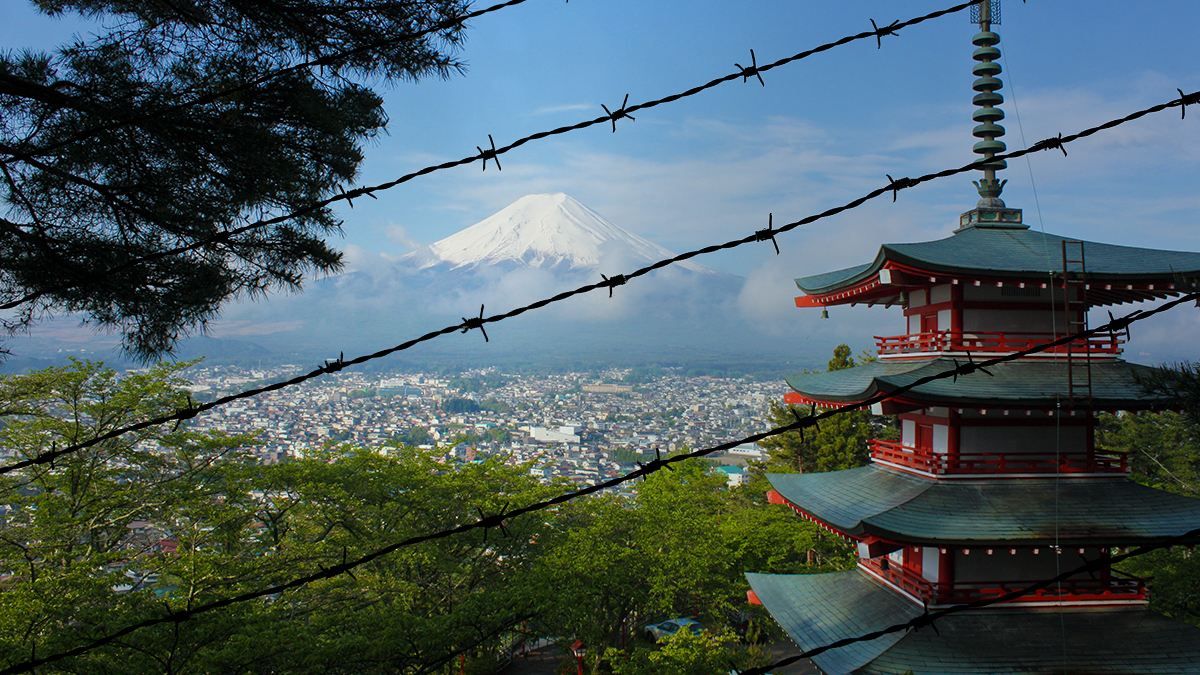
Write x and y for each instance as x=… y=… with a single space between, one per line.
x=563 y=108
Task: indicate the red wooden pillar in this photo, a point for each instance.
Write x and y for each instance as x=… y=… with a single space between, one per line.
x=956 y=315
x=945 y=572
x=953 y=422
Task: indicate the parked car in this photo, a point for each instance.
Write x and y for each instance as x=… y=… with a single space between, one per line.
x=658 y=631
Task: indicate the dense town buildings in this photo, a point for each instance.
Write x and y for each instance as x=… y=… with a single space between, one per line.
x=581 y=426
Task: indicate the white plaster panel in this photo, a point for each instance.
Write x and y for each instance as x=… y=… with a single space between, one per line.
x=939 y=294
x=929 y=563
x=917 y=298
x=944 y=319
x=908 y=433
x=941 y=438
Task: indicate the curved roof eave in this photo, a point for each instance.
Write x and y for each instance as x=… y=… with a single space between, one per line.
x=999 y=252
x=872 y=500
x=1026 y=383
x=817 y=609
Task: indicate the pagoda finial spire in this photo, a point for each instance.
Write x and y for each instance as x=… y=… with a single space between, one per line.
x=988 y=98
x=990 y=211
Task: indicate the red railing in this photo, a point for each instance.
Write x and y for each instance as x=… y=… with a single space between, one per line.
x=996 y=462
x=984 y=341
x=1090 y=590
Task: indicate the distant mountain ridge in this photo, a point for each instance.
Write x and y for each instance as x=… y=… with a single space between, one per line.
x=550 y=232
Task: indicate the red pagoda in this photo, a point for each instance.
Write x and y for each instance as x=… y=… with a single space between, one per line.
x=995 y=482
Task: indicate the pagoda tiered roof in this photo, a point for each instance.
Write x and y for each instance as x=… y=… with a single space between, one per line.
x=896 y=506
x=816 y=609
x=996 y=253
x=1017 y=384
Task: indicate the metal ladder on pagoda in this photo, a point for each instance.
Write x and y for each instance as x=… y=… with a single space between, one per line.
x=1079 y=357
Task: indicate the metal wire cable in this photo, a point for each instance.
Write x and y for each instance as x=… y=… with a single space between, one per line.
x=498 y=520
x=609 y=282
x=332 y=60
x=493 y=153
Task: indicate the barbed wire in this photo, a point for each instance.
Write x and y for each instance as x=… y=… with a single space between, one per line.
x=894 y=186
x=493 y=153
x=327 y=60
x=497 y=520
x=928 y=618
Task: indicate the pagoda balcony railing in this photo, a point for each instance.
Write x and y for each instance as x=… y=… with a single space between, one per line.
x=1113 y=589
x=984 y=341
x=927 y=461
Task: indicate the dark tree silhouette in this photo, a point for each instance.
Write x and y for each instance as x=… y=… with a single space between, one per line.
x=179 y=121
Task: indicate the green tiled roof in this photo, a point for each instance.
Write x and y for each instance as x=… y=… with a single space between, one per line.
x=819 y=608
x=816 y=609
x=1012 y=252
x=1029 y=382
x=1075 y=511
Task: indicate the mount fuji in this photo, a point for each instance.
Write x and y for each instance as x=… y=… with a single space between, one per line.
x=536 y=247
x=548 y=232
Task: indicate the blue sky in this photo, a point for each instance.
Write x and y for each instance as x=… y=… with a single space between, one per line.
x=821 y=132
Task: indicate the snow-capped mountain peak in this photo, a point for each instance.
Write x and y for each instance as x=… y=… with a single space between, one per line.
x=547 y=231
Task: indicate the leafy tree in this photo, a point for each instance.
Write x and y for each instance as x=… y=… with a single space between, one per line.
x=105 y=537
x=680 y=547
x=175 y=123
x=838 y=442
x=841 y=358
x=1164 y=453
x=684 y=653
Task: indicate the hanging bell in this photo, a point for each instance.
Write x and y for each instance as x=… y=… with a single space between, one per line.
x=824 y=313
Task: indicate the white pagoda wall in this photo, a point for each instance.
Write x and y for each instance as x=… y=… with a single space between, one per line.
x=1039 y=320
x=1018 y=439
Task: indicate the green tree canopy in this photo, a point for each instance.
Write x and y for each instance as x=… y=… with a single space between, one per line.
x=841 y=358
x=839 y=442
x=1164 y=453
x=177 y=122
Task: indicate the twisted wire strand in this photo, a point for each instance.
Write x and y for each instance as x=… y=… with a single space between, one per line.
x=497 y=520
x=493 y=153
x=332 y=59
x=894 y=187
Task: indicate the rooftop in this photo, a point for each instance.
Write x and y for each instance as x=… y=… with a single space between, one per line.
x=901 y=507
x=1018 y=253
x=816 y=609
x=1019 y=384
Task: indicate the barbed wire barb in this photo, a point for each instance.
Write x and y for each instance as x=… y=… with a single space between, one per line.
x=891 y=29
x=768 y=232
x=898 y=184
x=752 y=70
x=485 y=155
x=1052 y=143
x=619 y=113
x=613 y=281
x=475 y=322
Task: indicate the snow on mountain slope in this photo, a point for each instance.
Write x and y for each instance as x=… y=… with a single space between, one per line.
x=547 y=231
